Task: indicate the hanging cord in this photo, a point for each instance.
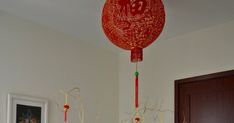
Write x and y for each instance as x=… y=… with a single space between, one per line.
x=136 y=66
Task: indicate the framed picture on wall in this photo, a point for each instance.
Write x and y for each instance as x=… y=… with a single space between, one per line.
x=26 y=109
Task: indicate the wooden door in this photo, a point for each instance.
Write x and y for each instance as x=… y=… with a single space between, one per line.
x=205 y=99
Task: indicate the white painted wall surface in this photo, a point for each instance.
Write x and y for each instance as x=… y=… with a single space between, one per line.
x=37 y=61
x=202 y=52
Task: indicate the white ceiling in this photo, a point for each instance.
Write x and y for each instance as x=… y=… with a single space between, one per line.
x=82 y=18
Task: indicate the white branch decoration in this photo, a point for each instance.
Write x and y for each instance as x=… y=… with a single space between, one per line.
x=75 y=94
x=158 y=113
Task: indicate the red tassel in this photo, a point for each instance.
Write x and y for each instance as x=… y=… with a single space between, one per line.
x=66 y=107
x=136 y=90
x=65 y=116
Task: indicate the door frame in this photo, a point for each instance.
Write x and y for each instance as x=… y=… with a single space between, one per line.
x=195 y=79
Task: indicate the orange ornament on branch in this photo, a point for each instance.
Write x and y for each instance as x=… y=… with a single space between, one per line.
x=133 y=24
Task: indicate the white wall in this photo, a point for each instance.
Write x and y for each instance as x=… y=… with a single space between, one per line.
x=202 y=52
x=38 y=61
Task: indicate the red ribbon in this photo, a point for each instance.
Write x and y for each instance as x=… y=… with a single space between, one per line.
x=136 y=91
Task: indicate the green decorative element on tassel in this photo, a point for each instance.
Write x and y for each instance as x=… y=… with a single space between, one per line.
x=136 y=73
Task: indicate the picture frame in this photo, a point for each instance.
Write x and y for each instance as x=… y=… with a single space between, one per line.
x=26 y=109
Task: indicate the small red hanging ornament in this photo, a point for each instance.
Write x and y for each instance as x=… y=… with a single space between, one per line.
x=133 y=24
x=66 y=107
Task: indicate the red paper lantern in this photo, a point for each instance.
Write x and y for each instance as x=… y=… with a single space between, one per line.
x=133 y=24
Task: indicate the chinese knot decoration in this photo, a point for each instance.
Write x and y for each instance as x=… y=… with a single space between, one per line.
x=133 y=24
